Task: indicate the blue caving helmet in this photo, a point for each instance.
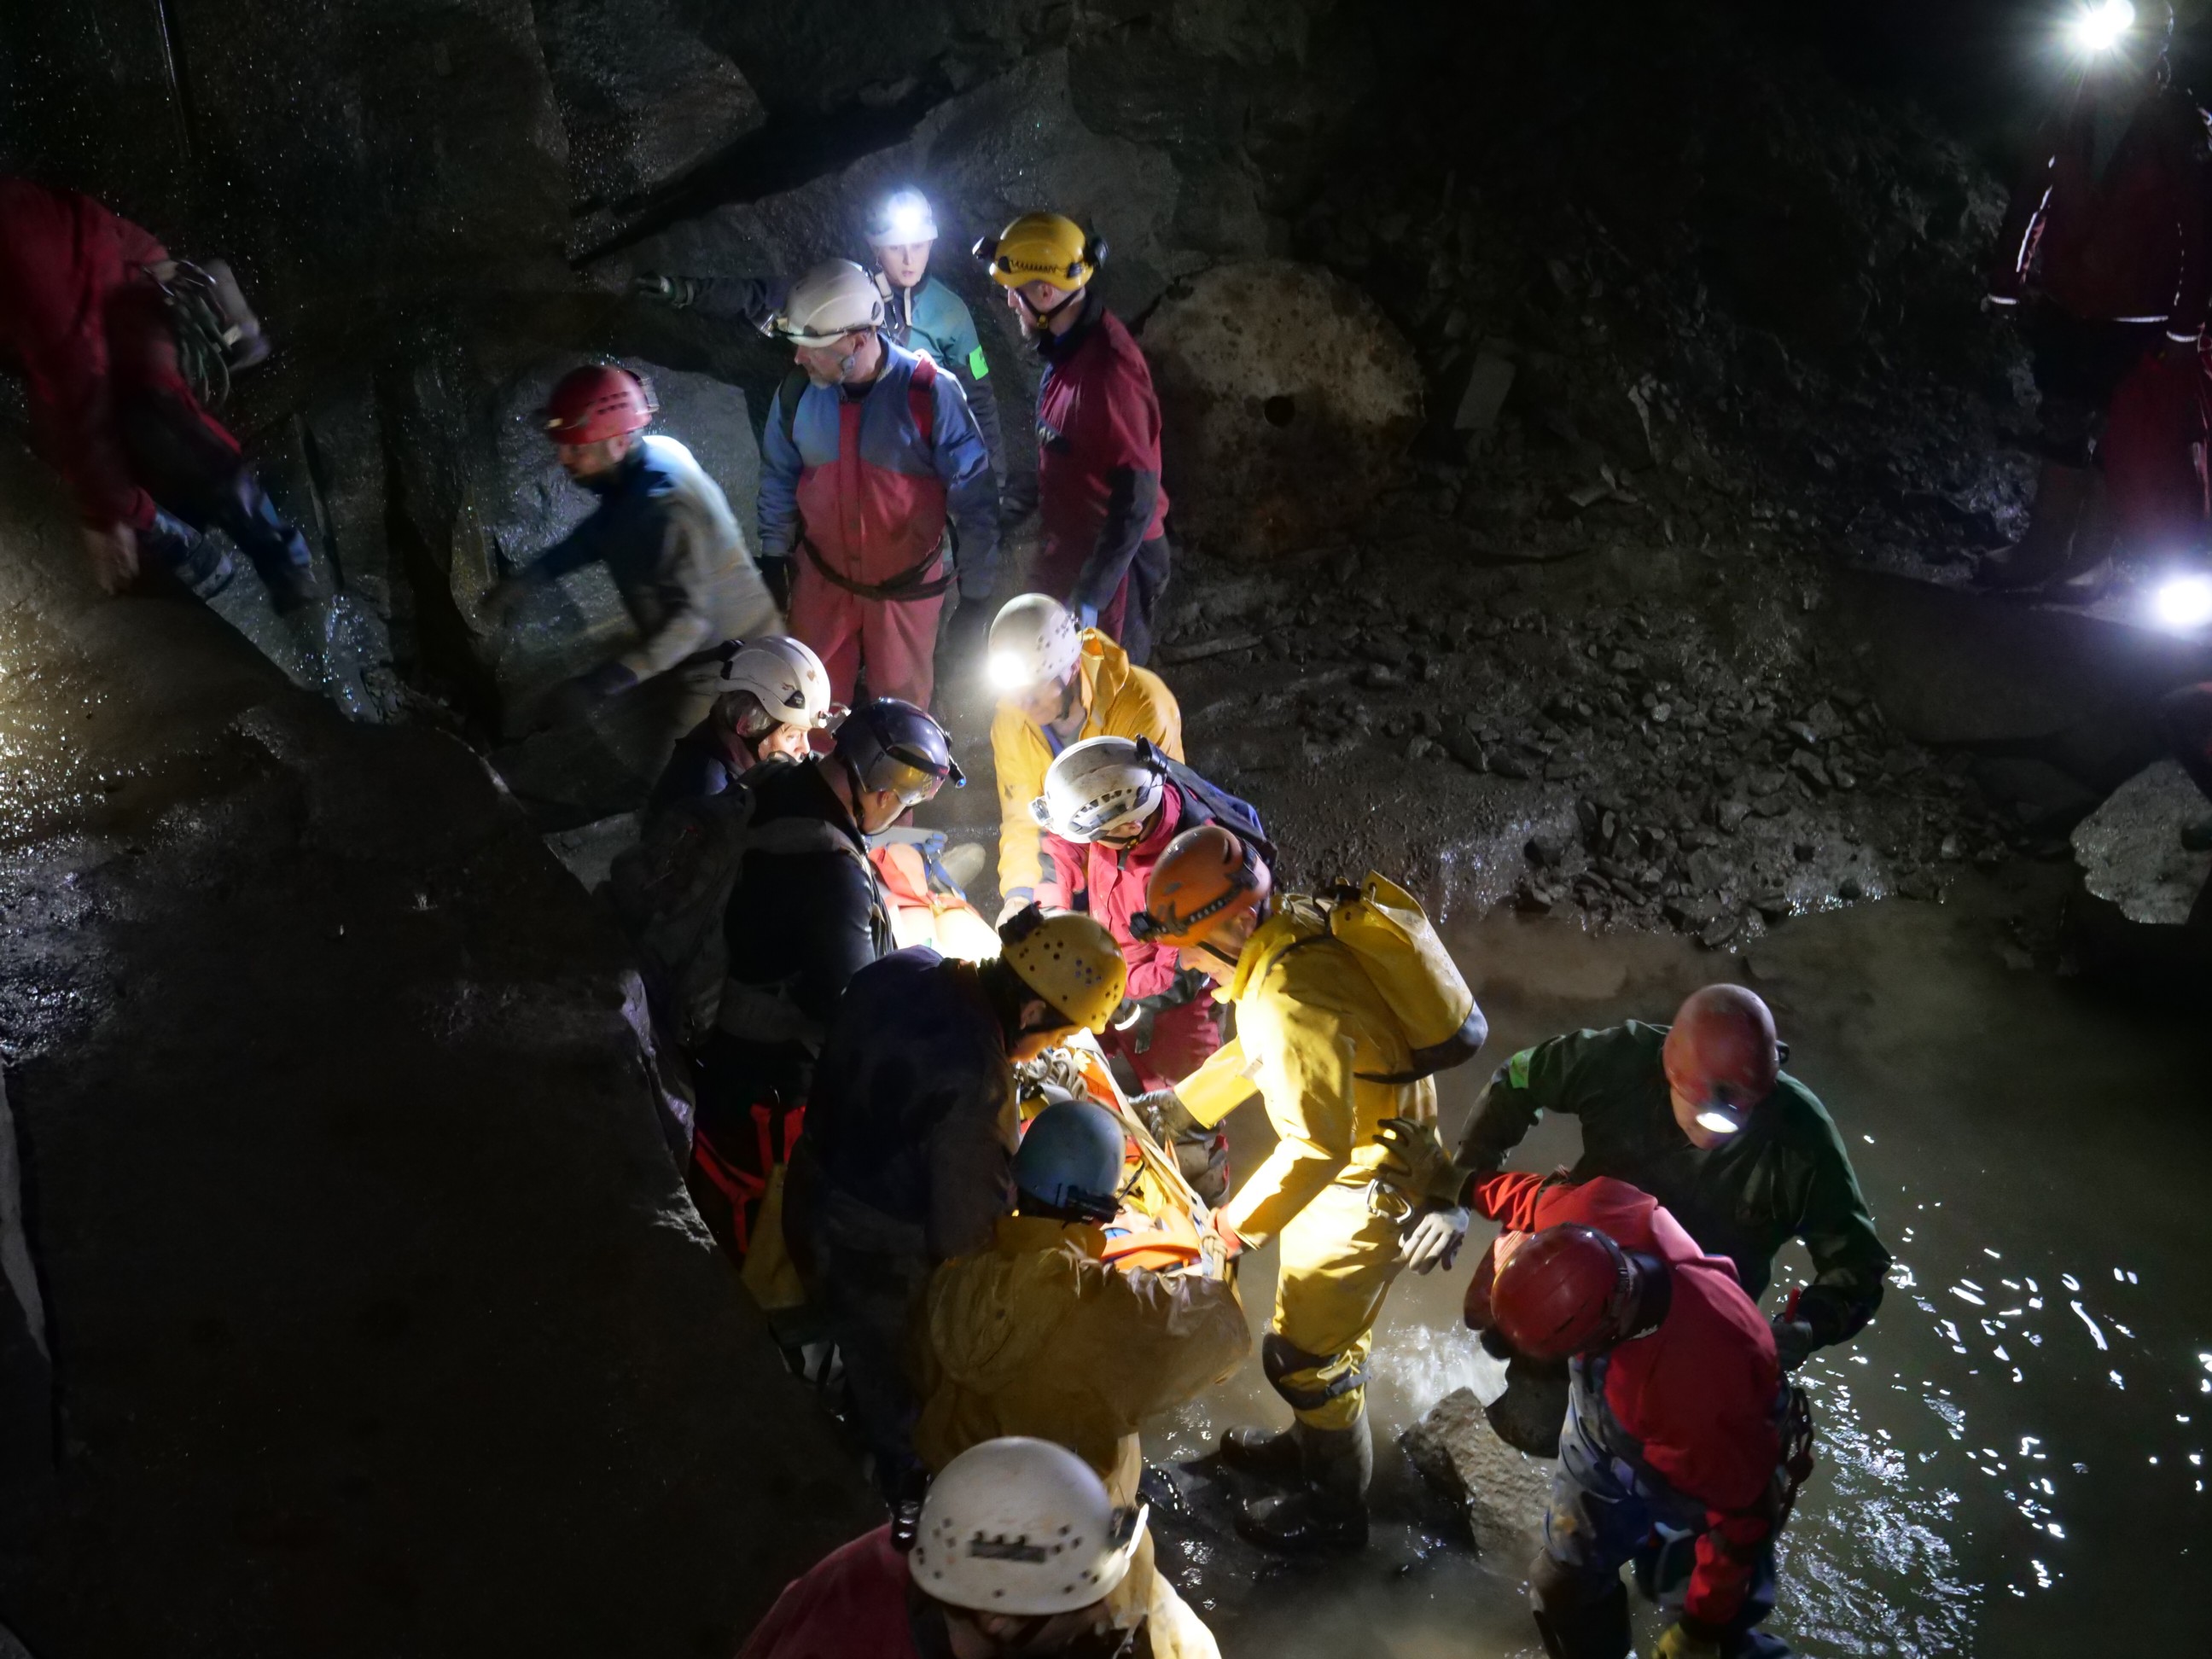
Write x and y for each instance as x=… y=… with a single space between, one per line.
x=1070 y=1161
x=892 y=745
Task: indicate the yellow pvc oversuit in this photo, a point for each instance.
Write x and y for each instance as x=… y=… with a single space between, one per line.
x=1312 y=1034
x=1118 y=701
x=1038 y=1336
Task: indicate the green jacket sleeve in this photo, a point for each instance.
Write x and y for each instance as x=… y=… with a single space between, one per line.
x=1849 y=1264
x=1554 y=1076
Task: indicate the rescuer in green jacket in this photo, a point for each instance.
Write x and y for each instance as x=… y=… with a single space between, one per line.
x=1701 y=1116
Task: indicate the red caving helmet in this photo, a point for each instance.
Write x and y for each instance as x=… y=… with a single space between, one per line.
x=1566 y=1291
x=598 y=401
x=1721 y=1054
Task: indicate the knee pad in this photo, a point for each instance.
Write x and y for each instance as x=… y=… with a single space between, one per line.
x=1334 y=1375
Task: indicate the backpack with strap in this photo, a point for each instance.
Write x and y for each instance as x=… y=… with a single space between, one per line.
x=1396 y=946
x=922 y=409
x=1209 y=802
x=671 y=892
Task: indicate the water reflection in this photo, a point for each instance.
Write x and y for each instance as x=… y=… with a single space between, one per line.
x=2012 y=1457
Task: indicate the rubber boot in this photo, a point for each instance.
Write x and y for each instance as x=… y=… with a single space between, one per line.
x=2042 y=553
x=1328 y=1511
x=1268 y=1455
x=1577 y=1629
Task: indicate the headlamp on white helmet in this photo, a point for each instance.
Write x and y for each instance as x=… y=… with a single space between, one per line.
x=1021 y=1528
x=2182 y=604
x=901 y=219
x=1034 y=642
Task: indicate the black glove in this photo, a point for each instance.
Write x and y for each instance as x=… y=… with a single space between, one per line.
x=575 y=700
x=776 y=573
x=676 y=293
x=1132 y=1023
x=1795 y=1341
x=1165 y=1115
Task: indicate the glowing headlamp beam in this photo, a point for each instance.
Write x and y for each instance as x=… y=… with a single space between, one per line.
x=1009 y=672
x=2183 y=603
x=2103 y=24
x=1717 y=1123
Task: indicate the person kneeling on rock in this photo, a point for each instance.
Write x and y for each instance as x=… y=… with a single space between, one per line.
x=665 y=532
x=1018 y=1550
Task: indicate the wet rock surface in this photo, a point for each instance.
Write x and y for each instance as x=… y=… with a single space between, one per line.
x=352 y=1207
x=1502 y=1493
x=2130 y=852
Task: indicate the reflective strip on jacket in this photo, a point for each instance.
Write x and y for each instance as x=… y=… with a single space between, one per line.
x=2128 y=243
x=1785 y=1176
x=1694 y=1406
x=1311 y=1031
x=665 y=531
x=1118 y=701
x=870 y=493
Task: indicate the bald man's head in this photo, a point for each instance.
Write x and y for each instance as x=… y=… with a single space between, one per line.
x=1722 y=1059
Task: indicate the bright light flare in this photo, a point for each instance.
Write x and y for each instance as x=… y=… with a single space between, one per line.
x=2183 y=604
x=909 y=224
x=1010 y=672
x=1717 y=1123
x=2099 y=27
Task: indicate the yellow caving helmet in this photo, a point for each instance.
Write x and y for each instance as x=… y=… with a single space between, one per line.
x=1070 y=961
x=1042 y=247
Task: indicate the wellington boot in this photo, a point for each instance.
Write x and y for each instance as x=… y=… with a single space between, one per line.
x=2042 y=552
x=1265 y=1454
x=1303 y=1523
x=1328 y=1511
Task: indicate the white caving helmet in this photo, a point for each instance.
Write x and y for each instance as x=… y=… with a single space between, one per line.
x=1034 y=642
x=1023 y=1527
x=902 y=217
x=1096 y=787
x=787 y=677
x=829 y=302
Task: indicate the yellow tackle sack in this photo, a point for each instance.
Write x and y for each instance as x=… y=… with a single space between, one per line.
x=1385 y=928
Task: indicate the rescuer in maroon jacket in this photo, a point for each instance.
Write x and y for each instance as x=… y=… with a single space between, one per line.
x=1676 y=1419
x=1101 y=511
x=84 y=318
x=2105 y=258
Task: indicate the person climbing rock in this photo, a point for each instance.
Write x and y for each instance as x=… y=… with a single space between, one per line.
x=1331 y=1057
x=1058 y=1549
x=1110 y=808
x=89 y=304
x=910 y=1138
x=1058 y=684
x=806 y=913
x=774 y=698
x=1682 y=1450
x=2104 y=257
x=1102 y=512
x=869 y=454
x=1039 y=1334
x=665 y=533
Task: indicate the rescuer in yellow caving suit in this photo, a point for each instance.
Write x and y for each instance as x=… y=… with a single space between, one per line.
x=1038 y=1335
x=1331 y=1063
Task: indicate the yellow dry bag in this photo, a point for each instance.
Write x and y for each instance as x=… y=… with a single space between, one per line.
x=1385 y=928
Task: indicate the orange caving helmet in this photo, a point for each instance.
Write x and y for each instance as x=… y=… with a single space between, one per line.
x=1206 y=877
x=1721 y=1054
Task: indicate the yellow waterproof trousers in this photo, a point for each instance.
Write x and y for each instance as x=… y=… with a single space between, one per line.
x=1337 y=1260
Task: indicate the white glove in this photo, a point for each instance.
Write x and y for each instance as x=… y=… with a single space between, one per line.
x=1434 y=1240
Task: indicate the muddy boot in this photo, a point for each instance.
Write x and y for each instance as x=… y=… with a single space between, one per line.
x=2042 y=552
x=1578 y=1620
x=1268 y=1455
x=1328 y=1511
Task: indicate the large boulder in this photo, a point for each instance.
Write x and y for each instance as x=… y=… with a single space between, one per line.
x=644 y=99
x=2130 y=849
x=1287 y=399
x=1501 y=1493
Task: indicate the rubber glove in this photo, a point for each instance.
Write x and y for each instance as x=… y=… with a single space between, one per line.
x=1795 y=1341
x=1231 y=1245
x=675 y=292
x=1680 y=1641
x=1434 y=1239
x=1164 y=1114
x=1132 y=1023
x=1425 y=1171
x=775 y=572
